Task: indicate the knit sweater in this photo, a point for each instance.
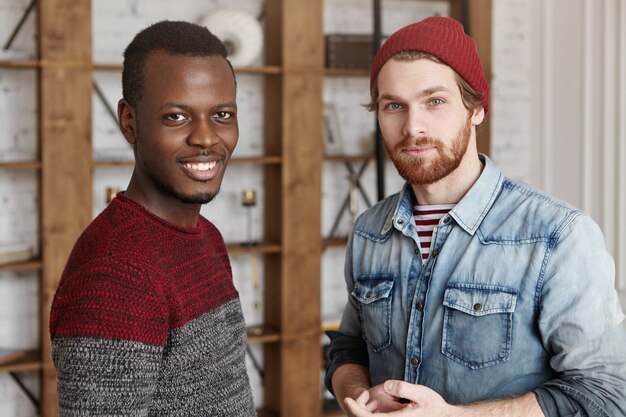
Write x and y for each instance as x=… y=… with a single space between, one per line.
x=146 y=321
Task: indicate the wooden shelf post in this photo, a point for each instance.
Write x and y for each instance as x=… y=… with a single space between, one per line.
x=65 y=146
x=293 y=128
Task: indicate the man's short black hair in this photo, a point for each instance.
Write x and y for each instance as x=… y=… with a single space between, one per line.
x=176 y=37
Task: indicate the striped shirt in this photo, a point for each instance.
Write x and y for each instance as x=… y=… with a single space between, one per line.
x=426 y=219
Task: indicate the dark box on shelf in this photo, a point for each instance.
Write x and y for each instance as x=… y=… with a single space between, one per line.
x=349 y=51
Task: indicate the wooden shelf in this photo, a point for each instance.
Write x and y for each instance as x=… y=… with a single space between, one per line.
x=262 y=334
x=334 y=242
x=268 y=69
x=261 y=247
x=347 y=72
x=20 y=165
x=262 y=160
x=21 y=266
x=333 y=326
x=348 y=158
x=113 y=163
x=27 y=361
x=19 y=63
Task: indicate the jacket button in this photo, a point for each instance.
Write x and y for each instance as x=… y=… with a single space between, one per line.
x=419 y=306
x=446 y=219
x=415 y=361
x=417 y=251
x=368 y=295
x=478 y=306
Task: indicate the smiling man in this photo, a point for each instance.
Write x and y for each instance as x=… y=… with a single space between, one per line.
x=469 y=294
x=146 y=320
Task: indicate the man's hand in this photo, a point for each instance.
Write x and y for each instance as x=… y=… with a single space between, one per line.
x=376 y=399
x=384 y=399
x=424 y=402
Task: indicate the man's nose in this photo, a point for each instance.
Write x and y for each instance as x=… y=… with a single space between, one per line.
x=202 y=134
x=415 y=123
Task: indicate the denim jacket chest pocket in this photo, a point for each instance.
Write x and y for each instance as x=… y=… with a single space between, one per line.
x=477 y=326
x=374 y=295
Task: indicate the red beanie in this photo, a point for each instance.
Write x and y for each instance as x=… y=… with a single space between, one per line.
x=444 y=38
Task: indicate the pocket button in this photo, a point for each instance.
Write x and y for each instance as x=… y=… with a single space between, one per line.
x=478 y=306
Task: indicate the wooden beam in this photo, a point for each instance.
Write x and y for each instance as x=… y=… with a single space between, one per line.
x=65 y=147
x=480 y=24
x=292 y=373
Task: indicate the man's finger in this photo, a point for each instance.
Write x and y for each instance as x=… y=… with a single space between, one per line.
x=402 y=389
x=363 y=397
x=356 y=409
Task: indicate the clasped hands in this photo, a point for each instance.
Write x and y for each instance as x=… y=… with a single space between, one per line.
x=398 y=399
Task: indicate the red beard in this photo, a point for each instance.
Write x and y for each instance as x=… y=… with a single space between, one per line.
x=420 y=170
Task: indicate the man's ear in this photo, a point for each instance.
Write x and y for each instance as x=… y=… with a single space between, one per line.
x=127 y=119
x=478 y=116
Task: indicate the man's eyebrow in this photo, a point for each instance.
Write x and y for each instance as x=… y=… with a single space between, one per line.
x=223 y=105
x=172 y=104
x=227 y=104
x=424 y=93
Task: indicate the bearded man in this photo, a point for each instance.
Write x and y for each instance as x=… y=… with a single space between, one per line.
x=469 y=294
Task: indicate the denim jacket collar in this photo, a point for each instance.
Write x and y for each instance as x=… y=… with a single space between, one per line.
x=468 y=213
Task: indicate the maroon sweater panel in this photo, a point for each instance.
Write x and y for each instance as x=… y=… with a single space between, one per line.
x=133 y=276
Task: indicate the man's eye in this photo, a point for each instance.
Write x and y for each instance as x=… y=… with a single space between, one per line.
x=224 y=115
x=175 y=117
x=393 y=106
x=436 y=101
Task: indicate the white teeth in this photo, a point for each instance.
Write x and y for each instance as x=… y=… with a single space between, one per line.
x=203 y=166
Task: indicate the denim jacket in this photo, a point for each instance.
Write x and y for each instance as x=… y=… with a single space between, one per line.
x=516 y=296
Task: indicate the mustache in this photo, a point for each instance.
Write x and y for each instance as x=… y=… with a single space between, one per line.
x=422 y=141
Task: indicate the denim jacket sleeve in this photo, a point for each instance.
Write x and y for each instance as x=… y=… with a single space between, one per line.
x=347 y=344
x=581 y=322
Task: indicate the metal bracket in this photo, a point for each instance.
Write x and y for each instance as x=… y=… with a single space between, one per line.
x=19 y=25
x=25 y=390
x=350 y=200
